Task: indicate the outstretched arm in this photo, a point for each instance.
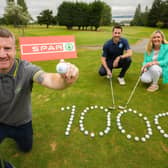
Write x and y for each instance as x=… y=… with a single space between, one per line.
x=55 y=80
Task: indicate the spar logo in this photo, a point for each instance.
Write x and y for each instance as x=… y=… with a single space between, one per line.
x=28 y=49
x=69 y=46
x=47 y=48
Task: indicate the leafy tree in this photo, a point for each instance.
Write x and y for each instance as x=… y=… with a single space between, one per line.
x=65 y=16
x=137 y=20
x=144 y=16
x=10 y=1
x=155 y=13
x=164 y=14
x=160 y=24
x=23 y=4
x=15 y=14
x=46 y=17
x=54 y=20
x=95 y=14
x=106 y=15
x=2 y=21
x=80 y=14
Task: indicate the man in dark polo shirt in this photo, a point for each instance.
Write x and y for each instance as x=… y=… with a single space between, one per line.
x=16 y=82
x=116 y=54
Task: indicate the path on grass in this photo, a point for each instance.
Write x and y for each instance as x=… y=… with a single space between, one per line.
x=139 y=47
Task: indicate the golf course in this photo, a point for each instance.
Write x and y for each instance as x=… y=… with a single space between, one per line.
x=52 y=148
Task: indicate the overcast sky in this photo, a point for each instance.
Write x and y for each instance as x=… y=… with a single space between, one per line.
x=124 y=7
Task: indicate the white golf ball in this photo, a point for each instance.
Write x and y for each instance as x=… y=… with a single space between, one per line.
x=130 y=109
x=159 y=127
x=106 y=131
x=123 y=131
x=81 y=125
x=73 y=109
x=136 y=138
x=62 y=108
x=147 y=136
x=69 y=126
x=72 y=113
x=150 y=132
x=140 y=114
x=109 y=114
x=82 y=118
x=143 y=139
x=148 y=125
x=165 y=135
x=82 y=129
x=86 y=132
x=145 y=118
x=96 y=106
x=85 y=111
x=92 y=134
x=80 y=121
x=62 y=68
x=120 y=127
x=68 y=129
x=67 y=133
x=128 y=136
x=82 y=114
x=162 y=131
x=101 y=133
x=160 y=115
x=73 y=106
x=134 y=111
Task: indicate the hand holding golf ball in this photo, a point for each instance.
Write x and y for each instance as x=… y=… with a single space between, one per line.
x=67 y=70
x=62 y=67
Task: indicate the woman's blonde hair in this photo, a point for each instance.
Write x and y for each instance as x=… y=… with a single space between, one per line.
x=150 y=46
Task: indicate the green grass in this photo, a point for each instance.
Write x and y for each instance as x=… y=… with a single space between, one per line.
x=52 y=149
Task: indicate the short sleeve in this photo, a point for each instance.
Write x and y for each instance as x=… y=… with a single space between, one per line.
x=126 y=44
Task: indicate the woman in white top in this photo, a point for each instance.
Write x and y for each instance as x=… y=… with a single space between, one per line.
x=155 y=62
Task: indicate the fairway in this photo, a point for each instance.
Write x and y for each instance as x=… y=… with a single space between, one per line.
x=53 y=149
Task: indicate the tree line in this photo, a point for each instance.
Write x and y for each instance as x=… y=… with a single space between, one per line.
x=70 y=14
x=84 y=15
x=157 y=16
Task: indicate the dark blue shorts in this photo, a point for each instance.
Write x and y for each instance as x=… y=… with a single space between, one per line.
x=23 y=135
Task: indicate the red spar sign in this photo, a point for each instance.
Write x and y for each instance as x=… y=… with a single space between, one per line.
x=47 y=48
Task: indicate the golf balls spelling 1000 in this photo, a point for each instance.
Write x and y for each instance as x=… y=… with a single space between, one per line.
x=144 y=138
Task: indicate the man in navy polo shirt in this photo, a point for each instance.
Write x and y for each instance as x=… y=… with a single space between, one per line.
x=116 y=54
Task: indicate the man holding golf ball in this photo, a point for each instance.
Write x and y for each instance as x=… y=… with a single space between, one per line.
x=16 y=82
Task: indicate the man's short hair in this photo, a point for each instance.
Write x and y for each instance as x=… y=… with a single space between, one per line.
x=117 y=27
x=5 y=33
